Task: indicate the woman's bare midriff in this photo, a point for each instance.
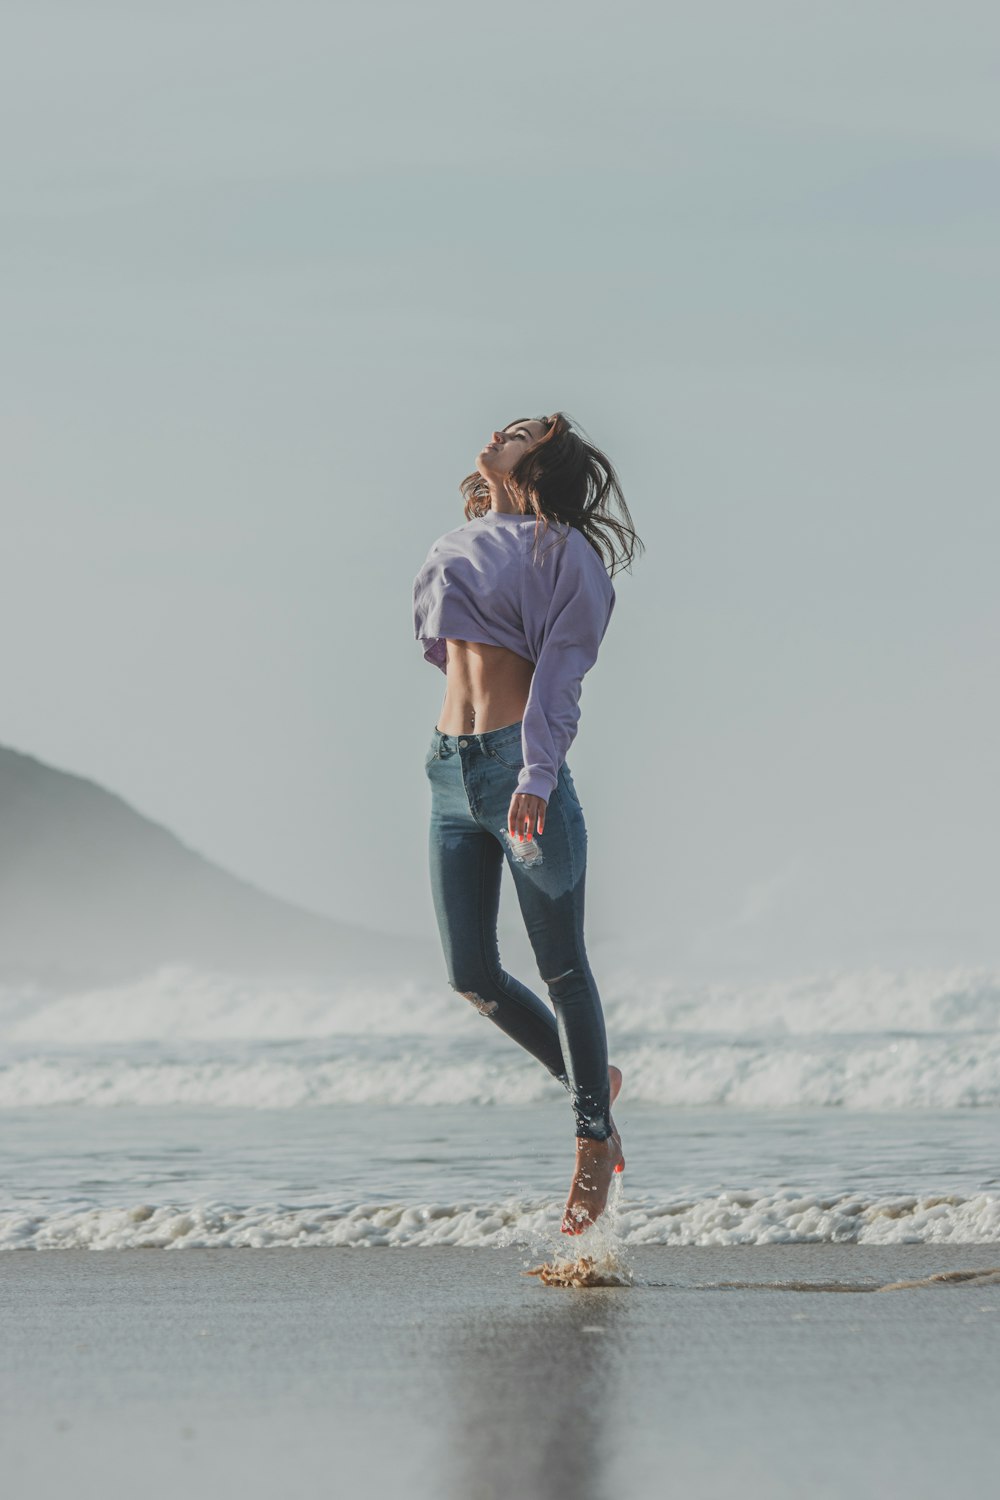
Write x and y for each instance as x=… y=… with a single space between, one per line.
x=487 y=688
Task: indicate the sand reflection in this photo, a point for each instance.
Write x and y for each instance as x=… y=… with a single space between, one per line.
x=534 y=1397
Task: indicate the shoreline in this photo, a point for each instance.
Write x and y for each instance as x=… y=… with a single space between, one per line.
x=447 y=1372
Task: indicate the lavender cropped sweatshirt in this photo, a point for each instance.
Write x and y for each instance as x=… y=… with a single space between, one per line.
x=487 y=582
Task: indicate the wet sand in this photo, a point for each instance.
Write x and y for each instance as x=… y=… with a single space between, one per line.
x=447 y=1373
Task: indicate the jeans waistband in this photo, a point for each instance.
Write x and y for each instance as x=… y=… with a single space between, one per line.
x=449 y=742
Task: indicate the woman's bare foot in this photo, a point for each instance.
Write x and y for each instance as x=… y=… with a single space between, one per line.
x=588 y=1193
x=596 y=1163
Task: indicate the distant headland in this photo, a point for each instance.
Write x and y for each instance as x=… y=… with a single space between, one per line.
x=91 y=889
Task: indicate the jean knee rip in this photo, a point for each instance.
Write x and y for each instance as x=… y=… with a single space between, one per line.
x=484 y=1007
x=557 y=977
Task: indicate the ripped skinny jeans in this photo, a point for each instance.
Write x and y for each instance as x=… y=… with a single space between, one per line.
x=472 y=779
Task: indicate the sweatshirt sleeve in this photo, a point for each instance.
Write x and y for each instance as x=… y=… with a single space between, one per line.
x=573 y=623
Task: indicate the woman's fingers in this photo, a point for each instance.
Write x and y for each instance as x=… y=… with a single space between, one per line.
x=512 y=812
x=525 y=814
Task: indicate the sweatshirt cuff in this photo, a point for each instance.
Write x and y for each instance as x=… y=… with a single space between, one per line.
x=537 y=784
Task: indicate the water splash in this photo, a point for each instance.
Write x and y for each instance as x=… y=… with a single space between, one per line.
x=599 y=1257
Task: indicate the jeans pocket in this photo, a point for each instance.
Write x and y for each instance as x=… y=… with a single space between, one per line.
x=509 y=755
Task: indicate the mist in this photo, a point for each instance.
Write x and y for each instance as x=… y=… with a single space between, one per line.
x=272 y=275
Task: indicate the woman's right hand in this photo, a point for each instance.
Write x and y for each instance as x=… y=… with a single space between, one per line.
x=526 y=812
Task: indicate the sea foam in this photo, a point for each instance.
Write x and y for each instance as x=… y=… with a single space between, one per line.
x=869 y=1040
x=730 y=1218
x=865 y=1073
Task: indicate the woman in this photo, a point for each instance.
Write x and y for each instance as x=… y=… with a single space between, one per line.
x=513 y=607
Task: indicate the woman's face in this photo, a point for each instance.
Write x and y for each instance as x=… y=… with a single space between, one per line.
x=508 y=446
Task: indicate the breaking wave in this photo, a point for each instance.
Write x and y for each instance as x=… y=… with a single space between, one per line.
x=730 y=1218
x=869 y=1040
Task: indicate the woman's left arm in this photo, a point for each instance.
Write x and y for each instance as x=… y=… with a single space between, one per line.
x=574 y=619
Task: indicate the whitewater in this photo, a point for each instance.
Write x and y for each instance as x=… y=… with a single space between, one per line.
x=196 y=1109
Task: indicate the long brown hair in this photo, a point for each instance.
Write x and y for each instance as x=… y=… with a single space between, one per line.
x=564 y=478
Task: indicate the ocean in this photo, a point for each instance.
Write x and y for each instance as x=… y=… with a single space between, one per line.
x=194 y=1109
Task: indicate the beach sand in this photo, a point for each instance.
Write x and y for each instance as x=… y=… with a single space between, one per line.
x=448 y=1373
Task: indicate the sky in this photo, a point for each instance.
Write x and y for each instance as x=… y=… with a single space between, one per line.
x=272 y=274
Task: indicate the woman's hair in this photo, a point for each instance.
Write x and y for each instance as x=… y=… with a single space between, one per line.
x=565 y=479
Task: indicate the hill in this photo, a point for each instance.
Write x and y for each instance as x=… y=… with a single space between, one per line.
x=91 y=889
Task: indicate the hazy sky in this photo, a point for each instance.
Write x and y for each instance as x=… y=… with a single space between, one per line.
x=273 y=272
